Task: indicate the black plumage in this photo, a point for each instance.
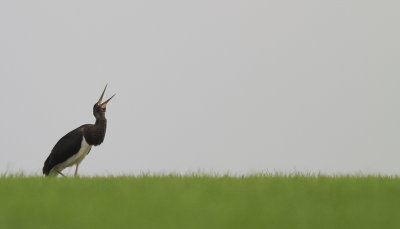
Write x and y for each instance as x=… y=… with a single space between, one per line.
x=74 y=146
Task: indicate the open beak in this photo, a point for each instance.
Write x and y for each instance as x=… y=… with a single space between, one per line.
x=104 y=104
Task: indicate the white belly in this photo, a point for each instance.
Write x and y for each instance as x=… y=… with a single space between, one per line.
x=75 y=159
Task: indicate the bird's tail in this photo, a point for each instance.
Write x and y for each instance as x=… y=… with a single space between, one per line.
x=47 y=167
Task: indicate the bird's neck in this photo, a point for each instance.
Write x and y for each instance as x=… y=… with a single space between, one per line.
x=100 y=126
x=100 y=121
x=94 y=134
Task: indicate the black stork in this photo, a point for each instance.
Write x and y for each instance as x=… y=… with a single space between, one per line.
x=73 y=147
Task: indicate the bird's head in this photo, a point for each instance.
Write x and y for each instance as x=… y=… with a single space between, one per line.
x=99 y=108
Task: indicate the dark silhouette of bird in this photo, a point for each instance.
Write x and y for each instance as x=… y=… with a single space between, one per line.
x=73 y=147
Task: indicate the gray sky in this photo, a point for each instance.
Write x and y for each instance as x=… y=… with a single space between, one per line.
x=238 y=86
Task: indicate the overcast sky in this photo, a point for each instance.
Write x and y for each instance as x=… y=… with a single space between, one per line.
x=217 y=86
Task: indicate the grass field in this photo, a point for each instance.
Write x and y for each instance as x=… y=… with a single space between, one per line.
x=200 y=202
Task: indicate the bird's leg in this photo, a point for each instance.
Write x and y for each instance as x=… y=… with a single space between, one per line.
x=60 y=173
x=76 y=169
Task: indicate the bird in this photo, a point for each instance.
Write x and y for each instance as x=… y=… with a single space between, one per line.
x=74 y=146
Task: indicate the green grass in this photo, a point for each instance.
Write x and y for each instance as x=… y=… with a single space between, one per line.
x=200 y=202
